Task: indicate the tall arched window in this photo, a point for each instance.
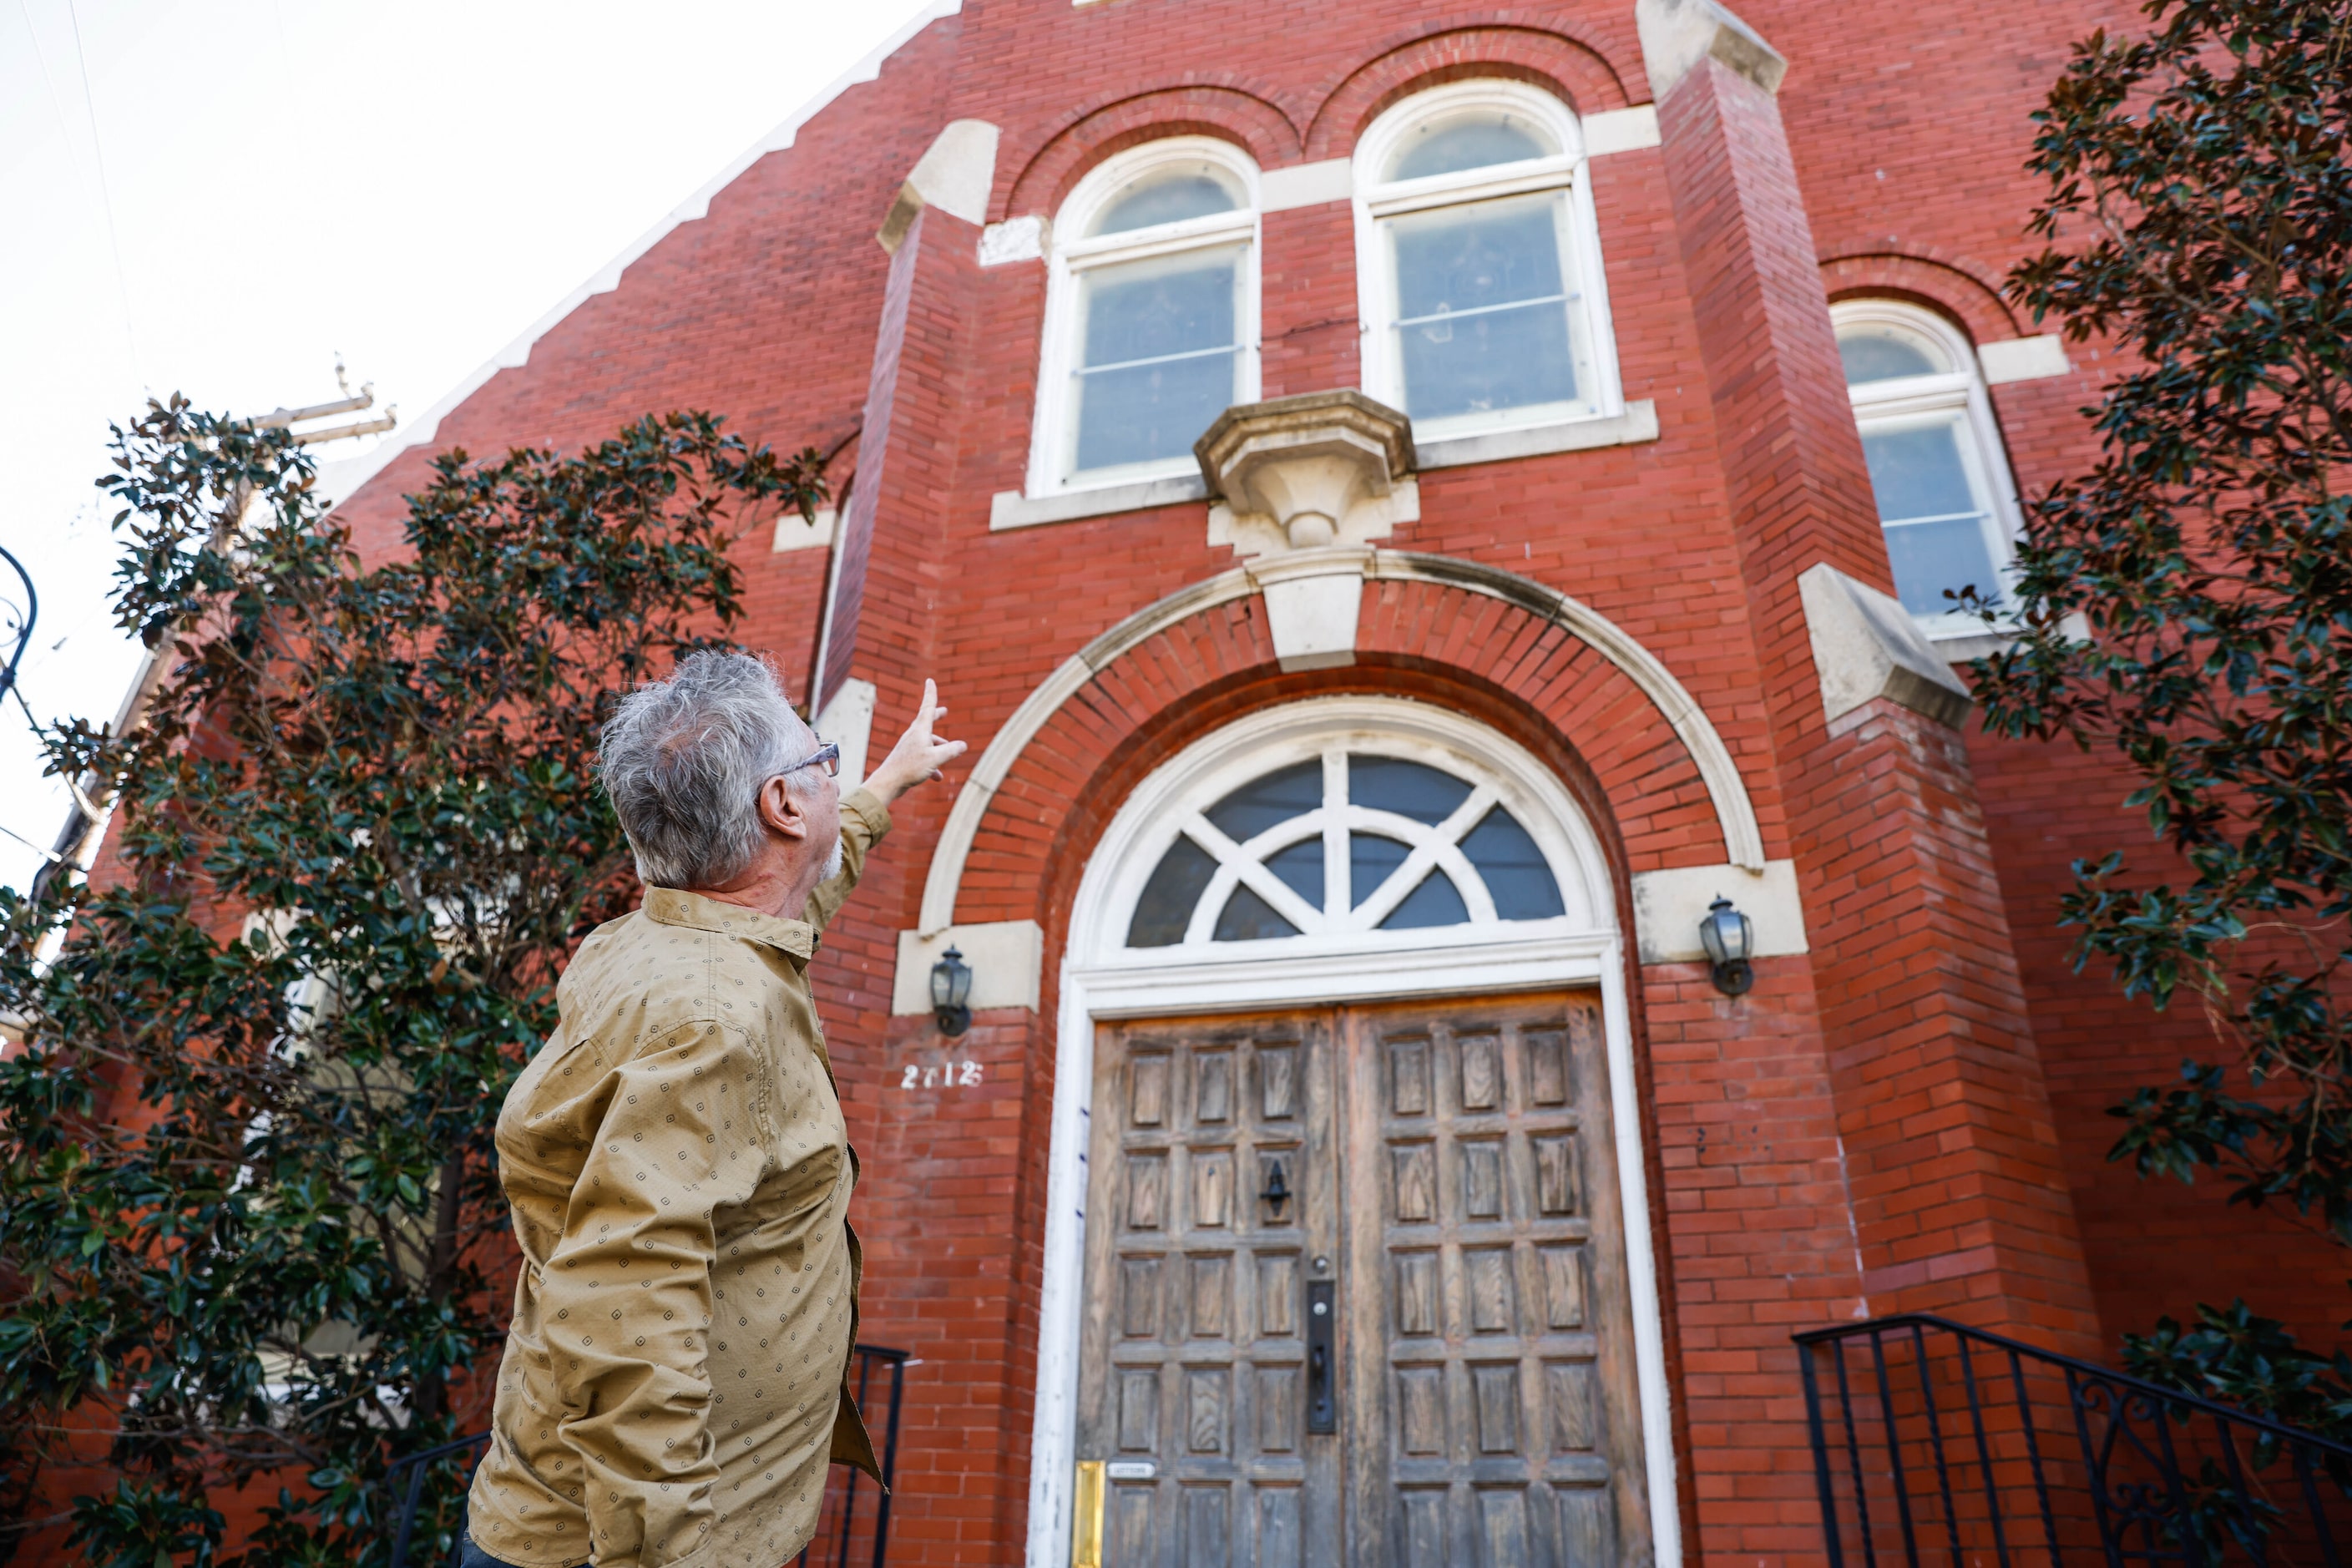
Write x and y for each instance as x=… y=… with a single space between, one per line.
x=1151 y=327
x=1945 y=496
x=1478 y=266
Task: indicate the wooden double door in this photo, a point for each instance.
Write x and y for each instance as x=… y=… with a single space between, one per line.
x=1356 y=1292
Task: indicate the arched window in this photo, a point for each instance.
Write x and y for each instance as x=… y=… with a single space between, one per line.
x=1344 y=835
x=1151 y=327
x=1945 y=496
x=1478 y=264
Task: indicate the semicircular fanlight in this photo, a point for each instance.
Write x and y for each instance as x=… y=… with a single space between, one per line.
x=1349 y=840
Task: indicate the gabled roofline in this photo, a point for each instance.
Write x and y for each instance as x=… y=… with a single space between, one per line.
x=343 y=479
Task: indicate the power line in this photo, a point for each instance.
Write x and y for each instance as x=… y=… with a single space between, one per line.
x=105 y=189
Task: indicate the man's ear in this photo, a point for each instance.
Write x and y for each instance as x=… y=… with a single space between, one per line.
x=780 y=810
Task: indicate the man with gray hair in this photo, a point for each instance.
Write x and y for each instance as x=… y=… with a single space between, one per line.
x=673 y=1384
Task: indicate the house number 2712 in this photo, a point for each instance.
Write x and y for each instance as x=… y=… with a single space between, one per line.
x=941 y=1075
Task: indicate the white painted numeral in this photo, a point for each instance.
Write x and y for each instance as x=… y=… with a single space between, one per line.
x=941 y=1075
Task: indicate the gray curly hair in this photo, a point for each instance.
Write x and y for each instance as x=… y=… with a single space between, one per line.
x=683 y=761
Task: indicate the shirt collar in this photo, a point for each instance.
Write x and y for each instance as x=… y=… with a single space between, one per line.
x=676 y=907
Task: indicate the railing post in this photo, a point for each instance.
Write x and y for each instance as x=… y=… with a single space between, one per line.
x=1830 y=1531
x=2033 y=1453
x=1984 y=1455
x=404 y=1530
x=1935 y=1439
x=1853 y=1458
x=890 y=1459
x=407 y=1514
x=1894 y=1447
x=2311 y=1501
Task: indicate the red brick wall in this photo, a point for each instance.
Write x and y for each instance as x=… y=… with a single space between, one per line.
x=1883 y=1121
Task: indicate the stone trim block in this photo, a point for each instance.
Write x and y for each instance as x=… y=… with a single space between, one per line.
x=1866 y=645
x=795 y=532
x=1306 y=186
x=1014 y=239
x=1621 y=131
x=1676 y=35
x=955 y=174
x=1314 y=601
x=1007 y=960
x=1668 y=906
x=2023 y=359
x=848 y=722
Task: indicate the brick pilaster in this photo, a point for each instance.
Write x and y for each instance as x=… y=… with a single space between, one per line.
x=1958 y=1200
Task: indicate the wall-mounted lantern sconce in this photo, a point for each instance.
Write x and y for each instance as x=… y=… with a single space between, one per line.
x=1729 y=936
x=950 y=993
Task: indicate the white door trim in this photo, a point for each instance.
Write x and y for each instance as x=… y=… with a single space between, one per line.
x=1098 y=982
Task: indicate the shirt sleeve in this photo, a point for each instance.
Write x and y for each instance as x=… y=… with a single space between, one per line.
x=627 y=1293
x=864 y=820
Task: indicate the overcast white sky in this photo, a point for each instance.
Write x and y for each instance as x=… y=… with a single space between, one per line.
x=215 y=197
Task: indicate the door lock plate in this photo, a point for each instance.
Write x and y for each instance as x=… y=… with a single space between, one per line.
x=1322 y=1306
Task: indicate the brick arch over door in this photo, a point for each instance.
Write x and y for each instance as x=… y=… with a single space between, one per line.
x=1654 y=755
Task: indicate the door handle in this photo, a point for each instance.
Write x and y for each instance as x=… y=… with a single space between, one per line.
x=1322 y=1410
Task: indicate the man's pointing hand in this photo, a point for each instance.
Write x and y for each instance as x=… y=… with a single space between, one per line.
x=918 y=755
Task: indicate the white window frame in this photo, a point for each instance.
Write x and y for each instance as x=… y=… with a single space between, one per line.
x=1911 y=400
x=1383 y=377
x=1070 y=256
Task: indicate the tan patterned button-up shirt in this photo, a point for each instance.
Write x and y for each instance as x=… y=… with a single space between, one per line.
x=673 y=1386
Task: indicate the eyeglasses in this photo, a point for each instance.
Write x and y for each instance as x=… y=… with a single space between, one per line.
x=826 y=756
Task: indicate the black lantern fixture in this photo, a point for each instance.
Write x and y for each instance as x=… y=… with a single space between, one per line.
x=1729 y=938
x=951 y=993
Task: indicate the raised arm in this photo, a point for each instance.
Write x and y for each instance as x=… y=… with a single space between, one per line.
x=866 y=812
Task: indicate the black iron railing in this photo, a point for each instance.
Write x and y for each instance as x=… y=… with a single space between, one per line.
x=431 y=1483
x=1937 y=1443
x=837 y=1530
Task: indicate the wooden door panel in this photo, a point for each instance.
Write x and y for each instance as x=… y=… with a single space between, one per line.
x=1193 y=1353
x=1452 y=1174
x=1491 y=1407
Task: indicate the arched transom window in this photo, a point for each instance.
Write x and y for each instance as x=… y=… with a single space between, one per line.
x=1346 y=836
x=1478 y=264
x=1152 y=325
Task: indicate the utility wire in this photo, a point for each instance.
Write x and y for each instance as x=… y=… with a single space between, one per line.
x=105 y=189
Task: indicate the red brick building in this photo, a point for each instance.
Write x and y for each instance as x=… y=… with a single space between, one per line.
x=1351 y=773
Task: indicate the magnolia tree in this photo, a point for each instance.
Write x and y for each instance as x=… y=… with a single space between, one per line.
x=250 y=1231
x=2187 y=604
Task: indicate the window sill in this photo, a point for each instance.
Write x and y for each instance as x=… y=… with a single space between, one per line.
x=1012 y=509
x=1960 y=647
x=1638 y=424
